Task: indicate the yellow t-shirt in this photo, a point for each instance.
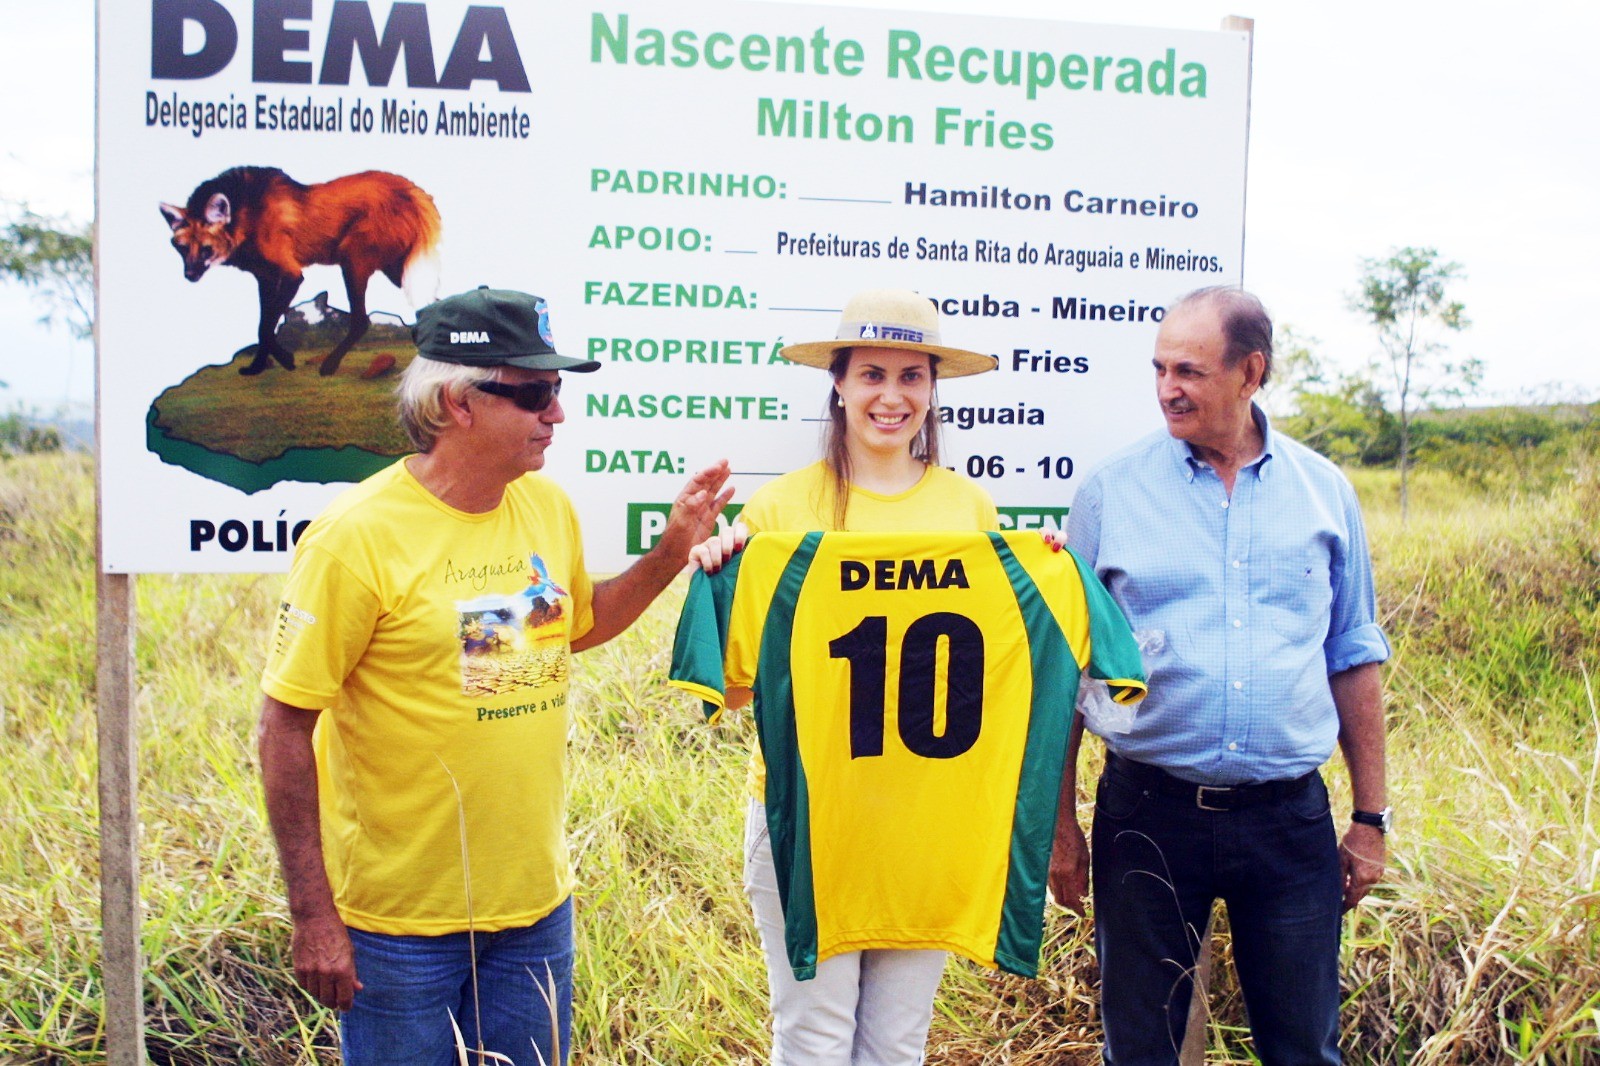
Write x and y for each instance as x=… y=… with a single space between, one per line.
x=802 y=502
x=436 y=642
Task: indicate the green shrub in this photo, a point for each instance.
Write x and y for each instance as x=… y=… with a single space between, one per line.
x=22 y=434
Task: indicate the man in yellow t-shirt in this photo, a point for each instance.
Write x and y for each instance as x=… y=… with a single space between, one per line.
x=414 y=729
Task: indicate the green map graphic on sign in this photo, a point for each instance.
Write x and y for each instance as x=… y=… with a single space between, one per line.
x=252 y=432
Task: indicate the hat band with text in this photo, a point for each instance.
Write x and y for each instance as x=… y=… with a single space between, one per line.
x=884 y=331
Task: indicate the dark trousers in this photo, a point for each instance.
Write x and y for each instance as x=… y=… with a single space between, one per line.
x=1159 y=860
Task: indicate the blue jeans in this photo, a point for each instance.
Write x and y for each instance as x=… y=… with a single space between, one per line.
x=413 y=985
x=1159 y=861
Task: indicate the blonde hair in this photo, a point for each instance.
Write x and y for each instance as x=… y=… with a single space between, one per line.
x=422 y=391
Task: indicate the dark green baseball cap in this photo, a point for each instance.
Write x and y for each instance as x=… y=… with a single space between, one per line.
x=492 y=327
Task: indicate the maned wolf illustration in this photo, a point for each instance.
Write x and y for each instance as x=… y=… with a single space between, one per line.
x=260 y=220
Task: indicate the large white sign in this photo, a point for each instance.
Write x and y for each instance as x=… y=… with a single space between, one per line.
x=690 y=185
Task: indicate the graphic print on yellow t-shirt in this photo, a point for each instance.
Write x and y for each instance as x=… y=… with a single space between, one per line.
x=515 y=641
x=442 y=807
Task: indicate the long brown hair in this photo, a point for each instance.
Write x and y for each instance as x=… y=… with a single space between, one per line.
x=835 y=452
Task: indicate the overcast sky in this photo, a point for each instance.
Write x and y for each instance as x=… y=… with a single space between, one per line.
x=1374 y=125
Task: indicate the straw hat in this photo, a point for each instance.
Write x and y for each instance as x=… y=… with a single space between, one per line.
x=891 y=318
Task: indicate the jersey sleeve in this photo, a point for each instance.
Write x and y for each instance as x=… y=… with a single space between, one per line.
x=701 y=641
x=325 y=623
x=1113 y=653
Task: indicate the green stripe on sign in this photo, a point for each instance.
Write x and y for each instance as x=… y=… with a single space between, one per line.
x=1033 y=517
x=647 y=520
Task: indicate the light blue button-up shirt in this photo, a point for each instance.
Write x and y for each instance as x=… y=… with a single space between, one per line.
x=1247 y=604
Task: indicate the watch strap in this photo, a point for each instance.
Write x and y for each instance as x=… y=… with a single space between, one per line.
x=1380 y=820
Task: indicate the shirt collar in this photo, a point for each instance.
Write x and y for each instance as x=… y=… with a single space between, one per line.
x=1188 y=465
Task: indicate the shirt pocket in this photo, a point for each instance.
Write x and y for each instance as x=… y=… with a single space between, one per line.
x=1298 y=596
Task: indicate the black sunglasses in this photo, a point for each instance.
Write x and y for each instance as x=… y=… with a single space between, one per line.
x=532 y=396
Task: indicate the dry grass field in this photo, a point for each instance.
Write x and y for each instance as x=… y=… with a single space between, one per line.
x=1482 y=946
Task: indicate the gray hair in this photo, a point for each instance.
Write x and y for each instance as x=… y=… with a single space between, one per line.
x=1246 y=326
x=422 y=391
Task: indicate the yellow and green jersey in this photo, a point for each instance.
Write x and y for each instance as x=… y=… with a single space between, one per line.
x=913 y=697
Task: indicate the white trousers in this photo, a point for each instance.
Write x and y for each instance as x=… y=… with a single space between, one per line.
x=864 y=1008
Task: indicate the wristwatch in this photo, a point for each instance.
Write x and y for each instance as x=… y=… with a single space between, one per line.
x=1383 y=820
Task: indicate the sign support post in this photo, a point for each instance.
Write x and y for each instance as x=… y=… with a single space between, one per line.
x=115 y=691
x=116 y=694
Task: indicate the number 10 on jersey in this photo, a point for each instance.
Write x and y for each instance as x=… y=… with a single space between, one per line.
x=866 y=649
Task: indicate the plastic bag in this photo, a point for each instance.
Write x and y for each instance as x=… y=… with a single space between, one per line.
x=1100 y=712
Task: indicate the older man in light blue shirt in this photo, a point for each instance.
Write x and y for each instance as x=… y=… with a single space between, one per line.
x=1240 y=558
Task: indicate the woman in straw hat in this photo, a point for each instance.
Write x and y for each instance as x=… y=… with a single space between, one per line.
x=879 y=472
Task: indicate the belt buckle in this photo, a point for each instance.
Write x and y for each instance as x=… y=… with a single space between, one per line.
x=1200 y=797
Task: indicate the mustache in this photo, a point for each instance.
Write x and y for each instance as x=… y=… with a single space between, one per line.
x=1178 y=407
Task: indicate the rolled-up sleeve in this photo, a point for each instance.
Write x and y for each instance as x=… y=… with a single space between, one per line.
x=1354 y=636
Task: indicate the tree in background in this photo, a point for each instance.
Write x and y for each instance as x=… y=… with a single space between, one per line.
x=54 y=256
x=1339 y=413
x=1405 y=296
x=1532 y=446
